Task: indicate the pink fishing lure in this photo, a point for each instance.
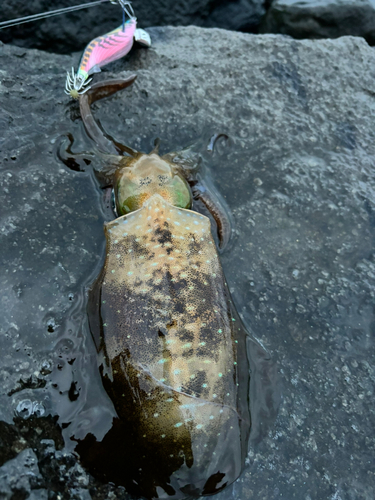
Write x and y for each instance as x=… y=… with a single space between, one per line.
x=107 y=48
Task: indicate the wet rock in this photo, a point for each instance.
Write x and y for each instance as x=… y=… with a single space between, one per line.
x=71 y=32
x=11 y=442
x=38 y=495
x=19 y=476
x=321 y=18
x=298 y=176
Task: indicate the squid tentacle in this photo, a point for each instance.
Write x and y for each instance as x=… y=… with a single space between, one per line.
x=207 y=196
x=104 y=141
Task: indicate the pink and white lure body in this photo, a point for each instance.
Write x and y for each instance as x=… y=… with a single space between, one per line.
x=107 y=48
x=103 y=50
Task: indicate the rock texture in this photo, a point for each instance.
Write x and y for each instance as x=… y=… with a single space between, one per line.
x=238 y=15
x=298 y=176
x=321 y=18
x=71 y=32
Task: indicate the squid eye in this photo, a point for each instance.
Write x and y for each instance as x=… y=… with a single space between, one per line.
x=180 y=193
x=131 y=203
x=128 y=196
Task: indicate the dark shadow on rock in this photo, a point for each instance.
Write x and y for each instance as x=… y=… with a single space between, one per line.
x=321 y=19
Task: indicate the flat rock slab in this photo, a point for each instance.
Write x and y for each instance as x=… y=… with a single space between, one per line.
x=298 y=176
x=321 y=18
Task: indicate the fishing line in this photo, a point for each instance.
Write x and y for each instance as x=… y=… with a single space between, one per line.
x=43 y=15
x=124 y=4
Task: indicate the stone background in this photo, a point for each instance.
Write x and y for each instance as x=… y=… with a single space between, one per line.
x=296 y=18
x=73 y=31
x=298 y=176
x=321 y=18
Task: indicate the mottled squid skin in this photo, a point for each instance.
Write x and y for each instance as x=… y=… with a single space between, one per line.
x=170 y=338
x=176 y=365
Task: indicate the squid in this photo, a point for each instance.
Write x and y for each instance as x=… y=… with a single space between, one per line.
x=173 y=353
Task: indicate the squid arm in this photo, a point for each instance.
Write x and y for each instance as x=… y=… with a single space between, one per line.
x=204 y=192
x=103 y=141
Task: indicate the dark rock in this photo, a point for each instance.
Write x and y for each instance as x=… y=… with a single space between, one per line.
x=298 y=176
x=321 y=19
x=19 y=475
x=238 y=15
x=72 y=32
x=11 y=442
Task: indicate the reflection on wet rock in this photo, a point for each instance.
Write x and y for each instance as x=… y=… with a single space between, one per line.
x=27 y=408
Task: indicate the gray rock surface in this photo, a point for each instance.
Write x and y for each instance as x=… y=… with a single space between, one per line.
x=19 y=475
x=71 y=32
x=298 y=176
x=321 y=18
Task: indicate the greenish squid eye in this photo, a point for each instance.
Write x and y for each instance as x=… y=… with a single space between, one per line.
x=128 y=198
x=180 y=191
